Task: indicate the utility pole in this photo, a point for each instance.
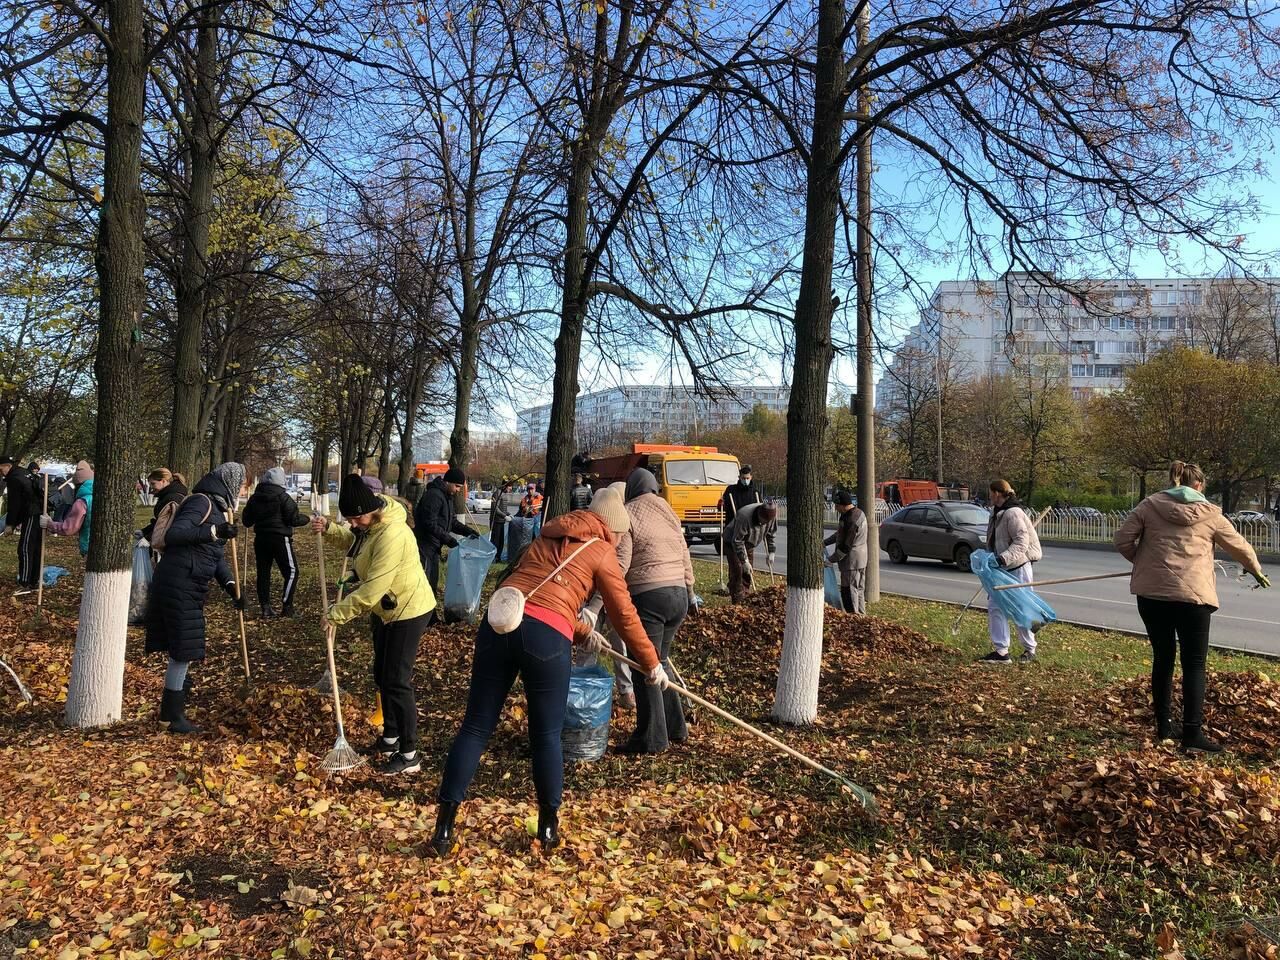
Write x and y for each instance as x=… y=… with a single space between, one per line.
x=937 y=378
x=866 y=388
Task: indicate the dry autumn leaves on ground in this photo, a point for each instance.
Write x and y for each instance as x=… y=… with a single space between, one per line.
x=1023 y=813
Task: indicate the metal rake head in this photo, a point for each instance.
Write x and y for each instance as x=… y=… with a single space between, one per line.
x=341 y=758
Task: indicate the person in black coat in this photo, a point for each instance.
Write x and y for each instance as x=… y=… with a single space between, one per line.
x=25 y=507
x=274 y=516
x=738 y=495
x=194 y=554
x=579 y=494
x=435 y=524
x=167 y=488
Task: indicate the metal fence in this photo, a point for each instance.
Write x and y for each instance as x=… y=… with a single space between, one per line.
x=1263 y=535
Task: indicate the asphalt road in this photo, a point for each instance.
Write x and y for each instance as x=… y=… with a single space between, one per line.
x=1247 y=619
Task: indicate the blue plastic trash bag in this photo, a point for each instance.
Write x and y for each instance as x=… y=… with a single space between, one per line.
x=586 y=718
x=140 y=586
x=1024 y=607
x=53 y=574
x=469 y=564
x=519 y=535
x=831 y=586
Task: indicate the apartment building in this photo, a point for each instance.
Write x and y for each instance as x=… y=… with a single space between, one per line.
x=975 y=329
x=623 y=414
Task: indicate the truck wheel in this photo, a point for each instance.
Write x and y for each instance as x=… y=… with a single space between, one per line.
x=896 y=553
x=963 y=553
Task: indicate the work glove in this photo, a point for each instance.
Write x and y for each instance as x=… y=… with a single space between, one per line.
x=695 y=603
x=137 y=534
x=595 y=642
x=657 y=677
x=45 y=520
x=1263 y=580
x=227 y=530
x=1000 y=562
x=473 y=533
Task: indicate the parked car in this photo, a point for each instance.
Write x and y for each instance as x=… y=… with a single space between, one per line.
x=479 y=501
x=1249 y=516
x=937 y=530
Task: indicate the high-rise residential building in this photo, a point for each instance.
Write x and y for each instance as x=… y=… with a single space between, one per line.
x=975 y=329
x=674 y=413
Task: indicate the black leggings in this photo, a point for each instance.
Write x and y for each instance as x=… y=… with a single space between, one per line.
x=395 y=649
x=1172 y=624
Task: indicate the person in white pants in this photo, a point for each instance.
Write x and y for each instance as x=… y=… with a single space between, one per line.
x=1013 y=539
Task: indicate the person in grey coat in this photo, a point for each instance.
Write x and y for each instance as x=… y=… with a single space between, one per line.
x=850 y=554
x=752 y=524
x=1012 y=537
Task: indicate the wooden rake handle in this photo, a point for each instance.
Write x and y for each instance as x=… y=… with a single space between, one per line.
x=235 y=568
x=43 y=536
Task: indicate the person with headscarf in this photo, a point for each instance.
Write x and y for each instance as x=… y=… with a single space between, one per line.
x=79 y=518
x=391 y=588
x=660 y=581
x=194 y=554
x=274 y=516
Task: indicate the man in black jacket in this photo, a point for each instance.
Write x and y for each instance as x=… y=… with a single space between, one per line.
x=25 y=499
x=580 y=494
x=274 y=516
x=435 y=524
x=738 y=495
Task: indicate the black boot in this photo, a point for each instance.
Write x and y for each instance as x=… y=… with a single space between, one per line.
x=1194 y=741
x=1168 y=730
x=166 y=704
x=548 y=827
x=177 y=712
x=442 y=841
x=268 y=612
x=288 y=611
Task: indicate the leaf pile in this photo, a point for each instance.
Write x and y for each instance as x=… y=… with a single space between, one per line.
x=299 y=716
x=1246 y=942
x=1241 y=709
x=1157 y=809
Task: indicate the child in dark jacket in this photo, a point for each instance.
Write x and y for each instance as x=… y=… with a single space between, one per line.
x=274 y=516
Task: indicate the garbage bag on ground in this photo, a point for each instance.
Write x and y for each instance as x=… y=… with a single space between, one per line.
x=831 y=587
x=469 y=564
x=140 y=586
x=586 y=718
x=53 y=574
x=1024 y=607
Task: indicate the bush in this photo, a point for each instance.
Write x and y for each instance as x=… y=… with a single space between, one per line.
x=1107 y=503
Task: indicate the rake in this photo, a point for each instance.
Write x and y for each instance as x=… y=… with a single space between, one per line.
x=1049 y=583
x=722 y=588
x=861 y=794
x=38 y=618
x=342 y=756
x=22 y=687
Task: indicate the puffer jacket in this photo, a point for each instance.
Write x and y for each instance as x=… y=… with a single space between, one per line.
x=580 y=497
x=659 y=553
x=1170 y=538
x=595 y=568
x=271 y=511
x=386 y=565
x=193 y=556
x=1012 y=537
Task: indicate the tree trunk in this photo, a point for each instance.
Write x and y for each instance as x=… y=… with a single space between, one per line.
x=866 y=425
x=320 y=474
x=191 y=285
x=218 y=438
x=413 y=401
x=564 y=390
x=230 y=427
x=460 y=437
x=96 y=689
x=796 y=697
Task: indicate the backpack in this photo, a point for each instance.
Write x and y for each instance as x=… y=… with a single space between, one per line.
x=164 y=519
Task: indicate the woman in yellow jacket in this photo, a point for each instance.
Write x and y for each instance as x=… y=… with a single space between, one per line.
x=392 y=587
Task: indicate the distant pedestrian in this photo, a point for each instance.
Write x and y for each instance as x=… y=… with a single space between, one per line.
x=413 y=489
x=79 y=518
x=26 y=494
x=498 y=518
x=738 y=495
x=194 y=554
x=850 y=554
x=579 y=494
x=1170 y=538
x=1013 y=539
x=274 y=515
x=435 y=525
x=752 y=524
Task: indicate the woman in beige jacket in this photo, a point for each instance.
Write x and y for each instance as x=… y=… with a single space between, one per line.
x=1170 y=539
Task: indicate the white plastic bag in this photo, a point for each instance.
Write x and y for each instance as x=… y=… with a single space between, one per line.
x=140 y=588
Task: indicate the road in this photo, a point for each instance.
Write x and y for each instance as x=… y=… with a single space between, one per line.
x=1247 y=619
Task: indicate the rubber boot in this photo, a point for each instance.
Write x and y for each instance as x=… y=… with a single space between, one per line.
x=548 y=827
x=178 y=722
x=442 y=841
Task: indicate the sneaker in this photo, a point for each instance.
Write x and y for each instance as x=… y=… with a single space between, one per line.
x=383 y=750
x=399 y=764
x=994 y=659
x=1028 y=656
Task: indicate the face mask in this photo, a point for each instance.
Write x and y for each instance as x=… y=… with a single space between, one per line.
x=746 y=481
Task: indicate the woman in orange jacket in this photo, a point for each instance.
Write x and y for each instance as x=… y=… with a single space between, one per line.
x=538 y=650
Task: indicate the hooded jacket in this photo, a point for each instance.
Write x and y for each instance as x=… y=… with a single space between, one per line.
x=659 y=553
x=78 y=518
x=392 y=584
x=595 y=568
x=434 y=522
x=1012 y=537
x=580 y=497
x=24 y=502
x=271 y=511
x=745 y=534
x=1170 y=538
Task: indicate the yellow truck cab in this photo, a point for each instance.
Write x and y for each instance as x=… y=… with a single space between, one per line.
x=690 y=478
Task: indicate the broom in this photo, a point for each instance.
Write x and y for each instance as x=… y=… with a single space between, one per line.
x=861 y=794
x=342 y=756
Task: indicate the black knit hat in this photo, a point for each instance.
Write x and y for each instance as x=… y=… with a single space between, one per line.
x=355 y=499
x=843 y=498
x=454 y=475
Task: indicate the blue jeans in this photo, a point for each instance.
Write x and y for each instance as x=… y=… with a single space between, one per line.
x=541 y=656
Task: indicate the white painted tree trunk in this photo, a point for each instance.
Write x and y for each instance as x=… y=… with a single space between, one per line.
x=96 y=690
x=796 y=698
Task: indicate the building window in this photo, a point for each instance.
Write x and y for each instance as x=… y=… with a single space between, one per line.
x=1163 y=323
x=1081 y=370
x=1109 y=370
x=1191 y=297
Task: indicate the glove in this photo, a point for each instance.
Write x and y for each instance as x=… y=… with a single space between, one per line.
x=595 y=642
x=473 y=534
x=137 y=534
x=227 y=530
x=237 y=602
x=657 y=677
x=45 y=520
x=1263 y=580
x=694 y=604
x=589 y=617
